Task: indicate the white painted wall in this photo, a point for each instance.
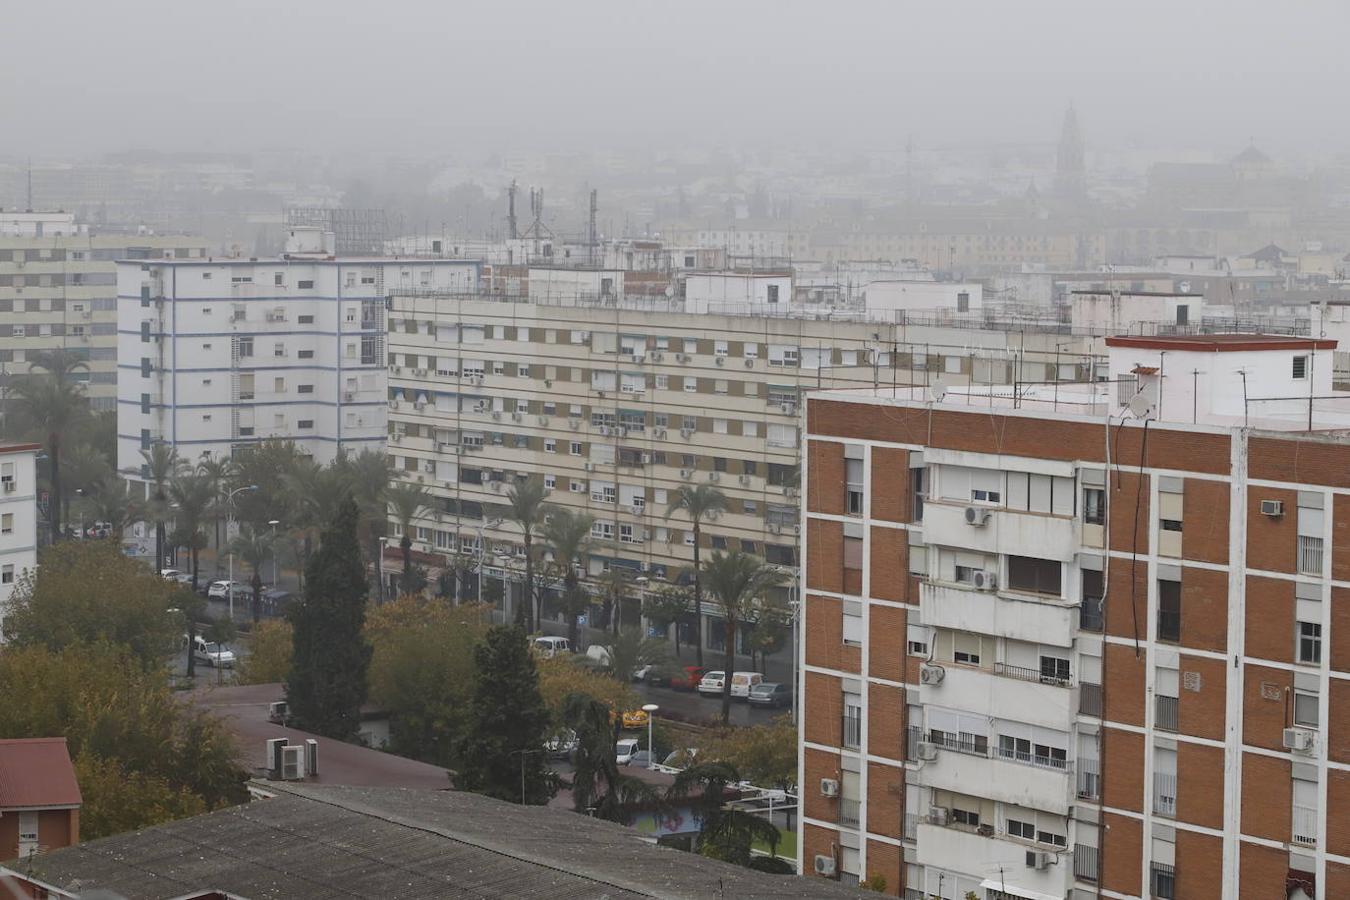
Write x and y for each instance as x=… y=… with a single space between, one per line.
x=1129 y=313
x=915 y=296
x=736 y=291
x=18 y=546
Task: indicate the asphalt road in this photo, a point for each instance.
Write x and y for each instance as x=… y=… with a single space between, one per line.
x=693 y=707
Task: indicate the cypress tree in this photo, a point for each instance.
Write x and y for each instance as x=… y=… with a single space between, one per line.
x=327 y=682
x=507 y=716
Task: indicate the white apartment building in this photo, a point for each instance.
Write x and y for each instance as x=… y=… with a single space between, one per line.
x=18 y=518
x=217 y=354
x=58 y=288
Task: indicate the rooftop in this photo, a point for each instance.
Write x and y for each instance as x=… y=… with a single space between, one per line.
x=36 y=773
x=1221 y=343
x=315 y=842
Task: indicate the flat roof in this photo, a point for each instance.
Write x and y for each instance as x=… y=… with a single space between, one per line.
x=18 y=448
x=1221 y=343
x=310 y=841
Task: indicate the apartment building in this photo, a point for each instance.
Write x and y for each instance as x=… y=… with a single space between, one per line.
x=218 y=354
x=620 y=403
x=18 y=518
x=1087 y=641
x=58 y=288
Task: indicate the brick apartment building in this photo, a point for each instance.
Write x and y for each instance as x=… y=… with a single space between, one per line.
x=1092 y=641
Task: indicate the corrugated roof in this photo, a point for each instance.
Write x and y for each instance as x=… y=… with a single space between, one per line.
x=319 y=842
x=37 y=772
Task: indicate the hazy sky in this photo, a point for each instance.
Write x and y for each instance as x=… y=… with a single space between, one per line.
x=431 y=77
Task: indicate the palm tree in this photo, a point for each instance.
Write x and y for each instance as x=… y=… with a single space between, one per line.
x=526 y=507
x=82 y=471
x=219 y=472
x=406 y=501
x=368 y=472
x=567 y=533
x=51 y=405
x=614 y=584
x=254 y=548
x=737 y=582
x=114 y=503
x=725 y=832
x=315 y=493
x=597 y=782
x=192 y=495
x=698 y=502
x=163 y=463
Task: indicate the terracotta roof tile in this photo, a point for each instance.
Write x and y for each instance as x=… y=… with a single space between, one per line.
x=37 y=772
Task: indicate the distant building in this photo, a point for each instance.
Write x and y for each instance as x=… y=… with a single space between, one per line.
x=1070 y=161
x=18 y=519
x=39 y=797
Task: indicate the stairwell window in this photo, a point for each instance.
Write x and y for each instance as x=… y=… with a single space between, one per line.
x=1306 y=711
x=1300 y=368
x=1309 y=642
x=245 y=346
x=1169 y=611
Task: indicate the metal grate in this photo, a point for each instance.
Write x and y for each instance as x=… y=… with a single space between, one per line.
x=1165 y=713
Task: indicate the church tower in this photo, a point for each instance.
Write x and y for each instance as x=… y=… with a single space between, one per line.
x=1070 y=166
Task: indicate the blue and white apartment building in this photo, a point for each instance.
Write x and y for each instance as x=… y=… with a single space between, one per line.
x=217 y=354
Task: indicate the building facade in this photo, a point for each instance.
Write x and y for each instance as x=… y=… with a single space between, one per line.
x=18 y=518
x=1085 y=642
x=217 y=354
x=58 y=288
x=618 y=406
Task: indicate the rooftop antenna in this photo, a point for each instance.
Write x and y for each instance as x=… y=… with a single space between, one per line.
x=590 y=229
x=30 y=184
x=511 y=210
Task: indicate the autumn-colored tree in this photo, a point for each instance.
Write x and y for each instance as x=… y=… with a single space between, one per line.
x=765 y=755
x=269 y=658
x=559 y=677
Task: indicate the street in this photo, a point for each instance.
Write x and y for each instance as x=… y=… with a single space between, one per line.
x=690 y=706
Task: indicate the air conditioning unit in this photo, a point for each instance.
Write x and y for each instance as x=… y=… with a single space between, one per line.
x=477 y=379
x=789 y=409
x=932 y=674
x=639 y=357
x=721 y=361
x=926 y=750
x=659 y=433
x=480 y=407
x=681 y=357
x=10 y=486
x=686 y=433
x=420 y=373
x=824 y=865
x=548 y=382
x=292 y=763
x=589 y=467
x=658 y=357
x=714 y=476
x=749 y=363
x=1272 y=507
x=396 y=437
x=348 y=396
x=1300 y=739
x=775 y=529
x=496 y=416
x=789 y=492
x=420 y=403
x=1038 y=859
x=276 y=712
x=574 y=424
x=393 y=404
x=985 y=580
x=829 y=787
x=937 y=815
x=543 y=420
x=638 y=510
x=977 y=515
x=744 y=479
x=496 y=486
x=686 y=474
x=516 y=417
x=311 y=757
x=604 y=429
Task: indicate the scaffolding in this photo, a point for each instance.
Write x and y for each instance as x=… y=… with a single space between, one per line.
x=358 y=232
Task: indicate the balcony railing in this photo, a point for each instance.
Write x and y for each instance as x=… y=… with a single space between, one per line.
x=1309 y=555
x=1162 y=881
x=1026 y=673
x=850 y=812
x=1085 y=862
x=1304 y=830
x=913 y=736
x=1090 y=616
x=851 y=732
x=970 y=744
x=1089 y=779
x=1165 y=793
x=1033 y=759
x=1090 y=699
x=1165 y=713
x=912 y=821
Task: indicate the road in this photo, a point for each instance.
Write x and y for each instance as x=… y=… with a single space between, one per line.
x=693 y=707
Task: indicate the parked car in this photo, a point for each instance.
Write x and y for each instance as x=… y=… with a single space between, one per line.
x=176 y=576
x=549 y=646
x=211 y=653
x=711 y=683
x=682 y=758
x=634 y=718
x=687 y=679
x=221 y=590
x=561 y=745
x=771 y=694
x=597 y=655
x=641 y=759
x=742 y=682
x=625 y=749
x=643 y=673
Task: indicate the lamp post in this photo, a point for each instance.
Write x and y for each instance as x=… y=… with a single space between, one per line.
x=229 y=523
x=650 y=709
x=276 y=586
x=796 y=605
x=379 y=567
x=79 y=504
x=523 y=754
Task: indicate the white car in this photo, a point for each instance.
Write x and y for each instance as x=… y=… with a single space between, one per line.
x=221 y=590
x=211 y=653
x=625 y=749
x=712 y=683
x=550 y=646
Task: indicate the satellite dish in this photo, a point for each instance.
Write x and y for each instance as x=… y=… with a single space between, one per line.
x=1140 y=406
x=937 y=390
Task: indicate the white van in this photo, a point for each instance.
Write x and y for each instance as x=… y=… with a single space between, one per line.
x=212 y=654
x=550 y=646
x=742 y=682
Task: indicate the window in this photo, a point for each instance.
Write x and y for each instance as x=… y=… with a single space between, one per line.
x=1310 y=642
x=1300 y=368
x=7 y=523
x=1305 y=709
x=980 y=495
x=575 y=448
x=550 y=445
x=305 y=389
x=965 y=817
x=1020 y=829
x=965 y=574
x=306 y=354
x=306 y=284
x=304 y=423
x=246 y=346
x=1054 y=670
x=1034 y=576
x=1094 y=506
x=1090 y=613
x=7 y=574
x=966 y=648
x=853 y=478
x=1169 y=611
x=306 y=320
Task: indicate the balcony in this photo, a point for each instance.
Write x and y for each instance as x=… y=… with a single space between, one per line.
x=991 y=692
x=851 y=732
x=850 y=812
x=1018 y=616
x=1304 y=830
x=1309 y=555
x=1165 y=794
x=1085 y=863
x=1165 y=713
x=1089 y=779
x=967 y=765
x=1006 y=531
x=958 y=849
x=1162 y=881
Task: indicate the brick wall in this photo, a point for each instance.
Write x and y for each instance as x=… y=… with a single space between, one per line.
x=885 y=800
x=886 y=635
x=890 y=564
x=1338 y=880
x=825 y=555
x=1340 y=537
x=1204 y=533
x=1204 y=609
x=1299 y=459
x=1262 y=870
x=1339 y=643
x=1201 y=713
x=890 y=484
x=1122 y=769
x=1199 y=870
x=825 y=477
x=1264 y=717
x=1267 y=797
x=1124 y=494
x=886 y=860
x=817 y=841
x=1127 y=585
x=1338 y=730
x=817 y=765
x=886 y=721
x=825 y=635
x=823 y=709
x=1122 y=847
x=1271 y=540
x=1123 y=685
x=1199 y=785
x=1270 y=619
x=1338 y=822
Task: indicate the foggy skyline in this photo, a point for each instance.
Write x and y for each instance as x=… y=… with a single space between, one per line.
x=433 y=79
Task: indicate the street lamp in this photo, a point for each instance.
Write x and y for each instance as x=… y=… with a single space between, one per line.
x=650 y=709
x=523 y=754
x=80 y=505
x=276 y=586
x=229 y=523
